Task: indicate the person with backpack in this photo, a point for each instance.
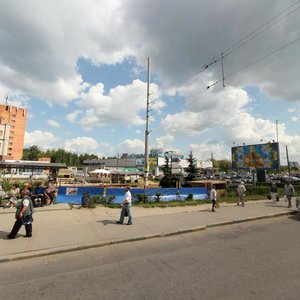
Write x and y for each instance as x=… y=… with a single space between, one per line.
x=23 y=216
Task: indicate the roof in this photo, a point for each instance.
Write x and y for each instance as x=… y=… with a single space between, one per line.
x=100 y=171
x=33 y=164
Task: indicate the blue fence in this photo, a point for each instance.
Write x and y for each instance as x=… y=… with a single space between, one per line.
x=74 y=194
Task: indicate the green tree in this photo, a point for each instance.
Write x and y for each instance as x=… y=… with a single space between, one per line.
x=225 y=165
x=166 y=181
x=31 y=153
x=192 y=169
x=57 y=156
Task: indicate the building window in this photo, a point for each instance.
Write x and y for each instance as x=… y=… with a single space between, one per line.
x=13 y=115
x=13 y=121
x=10 y=143
x=11 y=137
x=12 y=126
x=1 y=132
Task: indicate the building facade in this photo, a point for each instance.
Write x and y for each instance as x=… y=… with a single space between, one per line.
x=12 y=131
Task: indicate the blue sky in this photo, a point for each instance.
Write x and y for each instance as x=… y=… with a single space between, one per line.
x=80 y=69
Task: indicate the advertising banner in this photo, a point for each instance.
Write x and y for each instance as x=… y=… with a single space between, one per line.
x=255 y=157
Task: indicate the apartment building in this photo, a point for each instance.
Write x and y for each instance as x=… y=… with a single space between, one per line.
x=12 y=131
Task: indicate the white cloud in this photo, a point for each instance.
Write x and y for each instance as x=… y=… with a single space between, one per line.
x=207 y=150
x=82 y=144
x=33 y=35
x=122 y=105
x=214 y=109
x=42 y=42
x=164 y=142
x=43 y=139
x=72 y=117
x=53 y=123
x=132 y=146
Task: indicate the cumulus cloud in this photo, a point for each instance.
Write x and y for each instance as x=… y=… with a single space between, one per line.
x=192 y=44
x=33 y=35
x=43 y=139
x=72 y=117
x=53 y=123
x=81 y=144
x=132 y=146
x=213 y=110
x=41 y=44
x=209 y=149
x=122 y=105
x=164 y=142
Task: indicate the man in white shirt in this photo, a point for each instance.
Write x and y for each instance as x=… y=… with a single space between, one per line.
x=213 y=197
x=126 y=207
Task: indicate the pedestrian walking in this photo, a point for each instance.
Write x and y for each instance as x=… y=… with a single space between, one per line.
x=23 y=216
x=213 y=197
x=289 y=192
x=126 y=208
x=241 y=190
x=273 y=192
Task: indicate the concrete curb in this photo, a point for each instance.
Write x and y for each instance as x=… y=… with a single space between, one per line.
x=4 y=212
x=70 y=248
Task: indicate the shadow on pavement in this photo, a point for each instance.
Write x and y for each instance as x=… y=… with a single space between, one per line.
x=3 y=235
x=106 y=222
x=295 y=217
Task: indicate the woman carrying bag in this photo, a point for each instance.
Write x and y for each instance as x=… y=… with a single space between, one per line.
x=23 y=216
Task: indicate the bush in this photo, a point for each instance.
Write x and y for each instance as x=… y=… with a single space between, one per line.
x=190 y=197
x=158 y=197
x=141 y=198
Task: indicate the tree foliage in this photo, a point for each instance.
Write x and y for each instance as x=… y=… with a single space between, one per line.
x=166 y=181
x=224 y=165
x=57 y=156
x=192 y=169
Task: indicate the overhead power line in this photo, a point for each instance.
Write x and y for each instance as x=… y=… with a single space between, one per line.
x=256 y=61
x=261 y=29
x=257 y=31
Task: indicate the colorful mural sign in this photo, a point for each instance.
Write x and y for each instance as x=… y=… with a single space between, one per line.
x=260 y=156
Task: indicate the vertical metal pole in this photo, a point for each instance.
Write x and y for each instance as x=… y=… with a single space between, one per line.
x=277 y=130
x=212 y=164
x=288 y=161
x=223 y=78
x=146 y=169
x=277 y=146
x=171 y=170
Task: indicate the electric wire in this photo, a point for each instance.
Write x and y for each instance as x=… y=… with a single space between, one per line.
x=256 y=61
x=237 y=45
x=256 y=32
x=241 y=42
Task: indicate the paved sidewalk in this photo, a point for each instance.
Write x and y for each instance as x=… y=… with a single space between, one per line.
x=58 y=228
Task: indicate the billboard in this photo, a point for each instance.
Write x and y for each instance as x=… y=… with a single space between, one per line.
x=261 y=156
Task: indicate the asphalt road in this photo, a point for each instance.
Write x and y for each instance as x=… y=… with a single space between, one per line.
x=255 y=260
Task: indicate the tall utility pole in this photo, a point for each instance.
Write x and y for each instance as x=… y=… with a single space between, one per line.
x=277 y=131
x=288 y=160
x=146 y=169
